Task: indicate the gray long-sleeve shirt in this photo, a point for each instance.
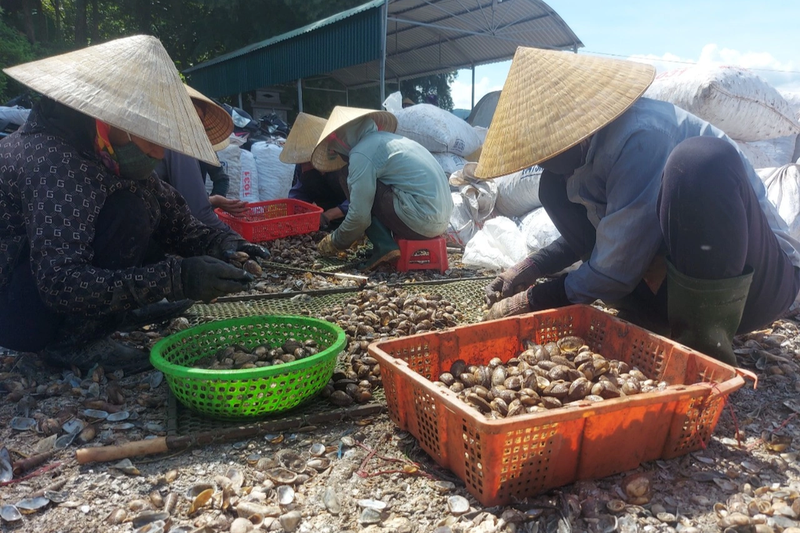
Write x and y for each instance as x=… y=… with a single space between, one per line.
x=422 y=196
x=619 y=187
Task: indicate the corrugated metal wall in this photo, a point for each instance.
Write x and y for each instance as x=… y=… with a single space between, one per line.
x=351 y=41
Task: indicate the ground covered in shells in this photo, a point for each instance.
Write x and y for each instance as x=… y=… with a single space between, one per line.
x=364 y=474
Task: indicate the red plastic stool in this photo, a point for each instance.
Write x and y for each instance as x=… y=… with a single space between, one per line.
x=422 y=255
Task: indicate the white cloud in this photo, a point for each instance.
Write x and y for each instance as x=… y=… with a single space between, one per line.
x=462 y=92
x=781 y=75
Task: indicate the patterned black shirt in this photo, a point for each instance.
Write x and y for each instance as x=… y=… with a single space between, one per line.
x=50 y=196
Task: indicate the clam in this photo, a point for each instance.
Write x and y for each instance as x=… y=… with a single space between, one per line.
x=319 y=463
x=285 y=494
x=569 y=344
x=95 y=413
x=282 y=476
x=200 y=500
x=196 y=490
x=6 y=466
x=317 y=449
x=9 y=513
x=159 y=526
x=119 y=416
x=21 y=423
x=31 y=505
x=291 y=460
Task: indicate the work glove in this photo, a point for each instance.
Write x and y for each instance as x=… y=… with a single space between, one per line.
x=513 y=305
x=233 y=244
x=324 y=223
x=547 y=295
x=326 y=248
x=206 y=278
x=554 y=257
x=511 y=281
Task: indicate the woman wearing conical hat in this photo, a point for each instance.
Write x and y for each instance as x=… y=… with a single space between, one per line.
x=309 y=184
x=396 y=188
x=81 y=206
x=669 y=218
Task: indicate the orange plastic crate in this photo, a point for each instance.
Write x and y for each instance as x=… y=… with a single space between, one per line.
x=275 y=219
x=504 y=460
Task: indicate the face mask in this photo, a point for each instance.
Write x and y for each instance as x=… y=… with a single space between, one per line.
x=133 y=163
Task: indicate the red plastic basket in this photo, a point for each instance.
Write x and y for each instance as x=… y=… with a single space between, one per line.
x=275 y=219
x=504 y=460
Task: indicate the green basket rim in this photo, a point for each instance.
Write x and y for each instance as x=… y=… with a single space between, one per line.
x=174 y=370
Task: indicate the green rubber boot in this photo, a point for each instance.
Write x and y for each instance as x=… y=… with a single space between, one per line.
x=705 y=313
x=384 y=249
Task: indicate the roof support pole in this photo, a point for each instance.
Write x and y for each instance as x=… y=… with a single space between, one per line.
x=347 y=96
x=384 y=29
x=300 y=95
x=473 y=87
x=240 y=101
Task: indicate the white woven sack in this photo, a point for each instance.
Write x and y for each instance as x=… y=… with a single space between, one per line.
x=780 y=150
x=538 y=230
x=793 y=98
x=783 y=190
x=735 y=100
x=230 y=158
x=248 y=190
x=498 y=246
x=437 y=130
x=274 y=176
x=461 y=228
x=480 y=198
x=449 y=162
x=518 y=193
x=771 y=153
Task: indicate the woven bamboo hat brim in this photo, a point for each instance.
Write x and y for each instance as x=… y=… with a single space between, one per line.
x=341 y=116
x=131 y=84
x=551 y=101
x=302 y=139
x=217 y=122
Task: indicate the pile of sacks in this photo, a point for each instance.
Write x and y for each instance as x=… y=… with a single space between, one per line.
x=498 y=222
x=256 y=175
x=764 y=122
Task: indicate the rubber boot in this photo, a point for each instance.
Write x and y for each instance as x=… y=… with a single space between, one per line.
x=109 y=354
x=384 y=249
x=704 y=314
x=155 y=313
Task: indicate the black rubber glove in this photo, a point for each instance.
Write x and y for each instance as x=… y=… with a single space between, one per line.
x=233 y=244
x=205 y=278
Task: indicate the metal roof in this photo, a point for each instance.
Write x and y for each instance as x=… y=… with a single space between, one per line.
x=423 y=37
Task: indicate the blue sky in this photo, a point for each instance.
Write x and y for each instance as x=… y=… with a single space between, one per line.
x=762 y=36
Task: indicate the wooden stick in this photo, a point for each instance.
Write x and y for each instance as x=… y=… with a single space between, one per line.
x=130 y=449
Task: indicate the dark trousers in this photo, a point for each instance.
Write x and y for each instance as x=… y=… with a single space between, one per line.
x=123 y=231
x=712 y=226
x=383 y=210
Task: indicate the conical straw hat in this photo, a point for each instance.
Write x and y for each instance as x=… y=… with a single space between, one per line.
x=217 y=122
x=129 y=83
x=342 y=116
x=302 y=139
x=551 y=101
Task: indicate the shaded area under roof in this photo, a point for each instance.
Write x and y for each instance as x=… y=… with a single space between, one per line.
x=423 y=37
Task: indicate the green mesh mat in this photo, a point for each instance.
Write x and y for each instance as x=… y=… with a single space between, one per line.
x=465 y=295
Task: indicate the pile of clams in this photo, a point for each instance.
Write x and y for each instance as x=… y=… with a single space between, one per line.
x=544 y=377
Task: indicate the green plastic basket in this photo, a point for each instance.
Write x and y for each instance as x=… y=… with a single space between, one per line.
x=251 y=392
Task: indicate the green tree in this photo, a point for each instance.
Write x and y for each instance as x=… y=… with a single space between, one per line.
x=14 y=49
